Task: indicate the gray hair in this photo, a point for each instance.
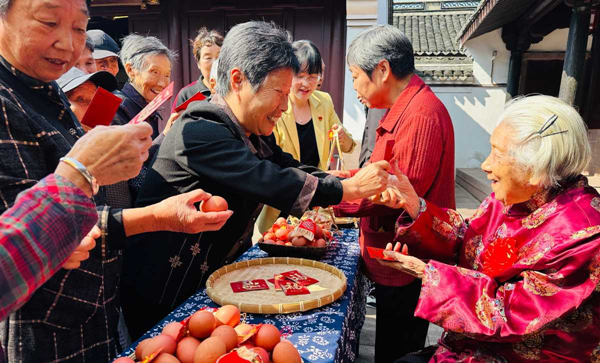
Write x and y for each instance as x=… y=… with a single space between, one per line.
x=4 y=6
x=382 y=42
x=213 y=70
x=257 y=48
x=553 y=156
x=137 y=48
x=89 y=43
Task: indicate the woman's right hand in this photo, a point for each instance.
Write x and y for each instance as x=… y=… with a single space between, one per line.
x=370 y=180
x=399 y=194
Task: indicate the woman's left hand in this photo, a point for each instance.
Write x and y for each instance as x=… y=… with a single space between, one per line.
x=345 y=141
x=403 y=262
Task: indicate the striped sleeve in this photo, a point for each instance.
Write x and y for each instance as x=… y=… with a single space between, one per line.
x=38 y=234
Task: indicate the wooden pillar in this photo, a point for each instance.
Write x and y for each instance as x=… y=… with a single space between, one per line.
x=514 y=72
x=576 y=49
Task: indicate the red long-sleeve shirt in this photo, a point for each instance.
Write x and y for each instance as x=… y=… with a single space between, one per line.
x=424 y=151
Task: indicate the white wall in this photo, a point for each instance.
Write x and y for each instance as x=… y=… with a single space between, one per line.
x=556 y=42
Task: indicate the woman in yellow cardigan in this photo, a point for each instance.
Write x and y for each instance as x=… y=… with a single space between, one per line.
x=303 y=130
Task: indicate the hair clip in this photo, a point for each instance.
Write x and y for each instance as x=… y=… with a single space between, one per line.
x=547 y=124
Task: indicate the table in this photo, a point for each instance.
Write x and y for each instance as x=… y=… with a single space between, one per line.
x=328 y=334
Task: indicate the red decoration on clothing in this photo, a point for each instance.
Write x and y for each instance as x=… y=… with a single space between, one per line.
x=499 y=256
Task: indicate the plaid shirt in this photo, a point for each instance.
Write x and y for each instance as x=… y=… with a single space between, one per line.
x=72 y=317
x=39 y=233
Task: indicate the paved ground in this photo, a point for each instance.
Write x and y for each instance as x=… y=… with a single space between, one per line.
x=466 y=206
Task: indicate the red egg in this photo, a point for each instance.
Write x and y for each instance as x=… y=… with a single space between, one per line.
x=214 y=204
x=282 y=233
x=140 y=348
x=186 y=349
x=270 y=236
x=123 y=360
x=210 y=350
x=172 y=329
x=269 y=241
x=228 y=315
x=286 y=352
x=247 y=345
x=166 y=342
x=267 y=337
x=264 y=355
x=202 y=324
x=227 y=334
x=281 y=243
x=280 y=221
x=299 y=241
x=165 y=358
x=321 y=243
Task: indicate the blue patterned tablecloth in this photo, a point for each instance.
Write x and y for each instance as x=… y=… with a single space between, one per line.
x=328 y=334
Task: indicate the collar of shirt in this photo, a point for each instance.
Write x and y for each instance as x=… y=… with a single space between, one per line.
x=256 y=145
x=51 y=89
x=390 y=120
x=137 y=98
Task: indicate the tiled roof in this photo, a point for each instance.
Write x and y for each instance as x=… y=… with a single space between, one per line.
x=433 y=34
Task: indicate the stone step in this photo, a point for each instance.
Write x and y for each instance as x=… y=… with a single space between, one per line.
x=474 y=181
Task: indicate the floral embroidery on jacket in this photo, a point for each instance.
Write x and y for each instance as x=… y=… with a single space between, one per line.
x=596 y=204
x=444 y=229
x=534 y=250
x=595 y=356
x=541 y=284
x=473 y=249
x=431 y=280
x=482 y=209
x=579 y=320
x=531 y=347
x=586 y=232
x=471 y=273
x=457 y=222
x=595 y=271
x=489 y=311
x=538 y=217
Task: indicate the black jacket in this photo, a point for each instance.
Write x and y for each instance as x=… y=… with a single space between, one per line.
x=207 y=149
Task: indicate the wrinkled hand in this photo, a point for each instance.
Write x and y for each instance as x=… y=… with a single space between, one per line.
x=345 y=141
x=174 y=116
x=339 y=173
x=179 y=214
x=82 y=252
x=114 y=153
x=399 y=194
x=404 y=263
x=369 y=181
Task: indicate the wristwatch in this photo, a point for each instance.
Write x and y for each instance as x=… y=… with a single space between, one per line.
x=83 y=170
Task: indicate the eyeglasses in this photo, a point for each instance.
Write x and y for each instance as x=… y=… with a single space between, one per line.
x=309 y=78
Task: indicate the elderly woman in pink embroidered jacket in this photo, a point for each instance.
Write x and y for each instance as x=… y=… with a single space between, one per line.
x=518 y=281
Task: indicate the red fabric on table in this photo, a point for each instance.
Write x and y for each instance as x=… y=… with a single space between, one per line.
x=424 y=151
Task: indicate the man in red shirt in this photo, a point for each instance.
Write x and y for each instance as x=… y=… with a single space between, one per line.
x=382 y=64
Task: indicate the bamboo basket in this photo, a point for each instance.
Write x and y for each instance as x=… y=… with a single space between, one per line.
x=331 y=286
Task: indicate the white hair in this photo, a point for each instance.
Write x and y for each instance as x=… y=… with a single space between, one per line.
x=560 y=152
x=137 y=48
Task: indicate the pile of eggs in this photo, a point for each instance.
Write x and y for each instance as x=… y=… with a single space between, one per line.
x=284 y=234
x=215 y=337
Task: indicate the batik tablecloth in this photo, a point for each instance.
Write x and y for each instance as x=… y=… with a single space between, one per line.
x=328 y=334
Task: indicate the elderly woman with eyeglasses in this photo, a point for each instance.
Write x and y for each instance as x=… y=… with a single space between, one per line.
x=303 y=130
x=518 y=281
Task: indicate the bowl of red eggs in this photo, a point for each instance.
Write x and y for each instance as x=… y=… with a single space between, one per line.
x=285 y=240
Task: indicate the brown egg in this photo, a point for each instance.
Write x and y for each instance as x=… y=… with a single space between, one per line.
x=165 y=358
x=166 y=342
x=214 y=204
x=228 y=335
x=321 y=243
x=123 y=360
x=202 y=324
x=140 y=348
x=172 y=329
x=248 y=344
x=264 y=355
x=186 y=349
x=267 y=337
x=228 y=315
x=285 y=352
x=299 y=241
x=210 y=350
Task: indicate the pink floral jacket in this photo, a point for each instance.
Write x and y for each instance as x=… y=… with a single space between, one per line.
x=546 y=307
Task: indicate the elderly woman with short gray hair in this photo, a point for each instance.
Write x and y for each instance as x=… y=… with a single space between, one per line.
x=148 y=64
x=518 y=281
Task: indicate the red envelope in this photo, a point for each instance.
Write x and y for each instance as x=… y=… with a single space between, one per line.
x=277 y=281
x=299 y=278
x=249 y=285
x=377 y=253
x=197 y=97
x=153 y=105
x=389 y=150
x=293 y=288
x=102 y=109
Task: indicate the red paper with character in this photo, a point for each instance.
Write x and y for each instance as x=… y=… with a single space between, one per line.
x=526 y=284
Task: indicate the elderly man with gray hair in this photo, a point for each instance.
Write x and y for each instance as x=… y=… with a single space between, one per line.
x=419 y=128
x=219 y=147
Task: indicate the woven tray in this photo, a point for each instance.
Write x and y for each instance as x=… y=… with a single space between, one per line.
x=332 y=284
